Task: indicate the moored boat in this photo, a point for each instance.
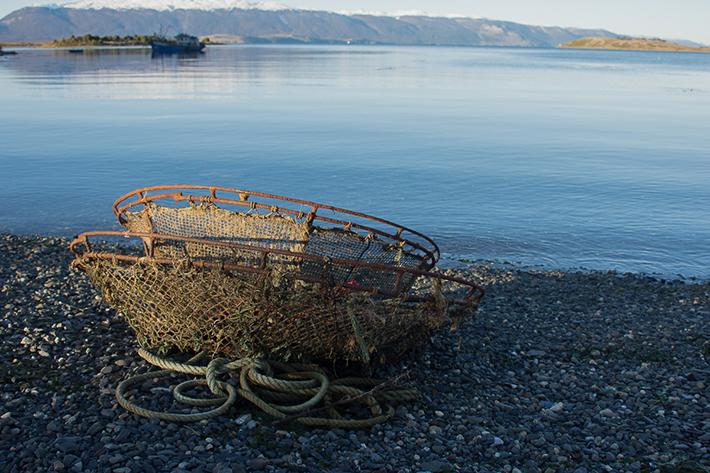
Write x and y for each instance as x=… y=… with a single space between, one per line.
x=181 y=44
x=6 y=53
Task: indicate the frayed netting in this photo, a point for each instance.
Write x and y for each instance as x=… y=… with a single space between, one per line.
x=238 y=314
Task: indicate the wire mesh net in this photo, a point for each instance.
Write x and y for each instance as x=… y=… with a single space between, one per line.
x=239 y=314
x=294 y=226
x=267 y=280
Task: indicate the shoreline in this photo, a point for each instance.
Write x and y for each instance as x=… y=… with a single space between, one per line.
x=44 y=46
x=452 y=261
x=559 y=371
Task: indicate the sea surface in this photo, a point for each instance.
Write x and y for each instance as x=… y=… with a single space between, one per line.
x=557 y=158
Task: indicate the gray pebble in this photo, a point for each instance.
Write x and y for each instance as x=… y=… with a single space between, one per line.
x=68 y=444
x=257 y=464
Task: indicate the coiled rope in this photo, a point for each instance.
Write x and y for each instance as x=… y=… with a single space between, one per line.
x=297 y=393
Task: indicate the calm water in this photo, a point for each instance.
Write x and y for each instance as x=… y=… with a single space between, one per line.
x=558 y=158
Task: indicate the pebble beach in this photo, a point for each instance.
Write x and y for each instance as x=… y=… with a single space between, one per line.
x=574 y=372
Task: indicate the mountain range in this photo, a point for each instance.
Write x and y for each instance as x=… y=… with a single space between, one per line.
x=272 y=22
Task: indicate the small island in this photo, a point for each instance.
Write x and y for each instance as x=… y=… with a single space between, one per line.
x=631 y=44
x=92 y=40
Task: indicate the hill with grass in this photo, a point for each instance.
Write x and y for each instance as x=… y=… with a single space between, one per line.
x=631 y=44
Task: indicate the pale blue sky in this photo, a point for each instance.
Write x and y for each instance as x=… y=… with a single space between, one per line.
x=686 y=19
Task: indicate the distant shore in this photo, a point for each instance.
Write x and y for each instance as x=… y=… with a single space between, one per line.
x=632 y=44
x=19 y=45
x=88 y=41
x=92 y=41
x=227 y=40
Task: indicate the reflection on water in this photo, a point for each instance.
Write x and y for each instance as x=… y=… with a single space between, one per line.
x=133 y=73
x=563 y=158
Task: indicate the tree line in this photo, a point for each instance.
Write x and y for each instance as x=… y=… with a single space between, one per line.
x=92 y=40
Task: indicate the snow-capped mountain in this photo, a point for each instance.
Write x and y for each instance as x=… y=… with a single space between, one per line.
x=399 y=13
x=271 y=22
x=169 y=5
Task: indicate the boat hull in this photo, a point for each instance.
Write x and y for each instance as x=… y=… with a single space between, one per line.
x=170 y=48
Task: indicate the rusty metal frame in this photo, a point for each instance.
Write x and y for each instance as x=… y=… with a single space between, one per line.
x=472 y=298
x=176 y=192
